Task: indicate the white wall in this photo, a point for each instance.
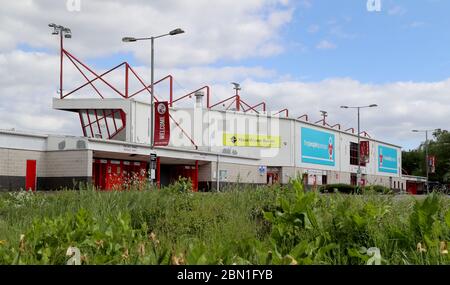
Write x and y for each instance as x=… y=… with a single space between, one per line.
x=207 y=128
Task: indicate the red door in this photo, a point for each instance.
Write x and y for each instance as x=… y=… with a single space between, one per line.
x=186 y=171
x=30 y=179
x=411 y=188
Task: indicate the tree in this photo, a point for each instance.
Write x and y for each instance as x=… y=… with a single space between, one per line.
x=440 y=148
x=414 y=160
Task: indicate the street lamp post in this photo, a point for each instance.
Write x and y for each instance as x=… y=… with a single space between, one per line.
x=152 y=67
x=426 y=153
x=358 y=176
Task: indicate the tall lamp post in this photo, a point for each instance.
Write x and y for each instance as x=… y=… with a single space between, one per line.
x=426 y=152
x=358 y=176
x=132 y=39
x=63 y=32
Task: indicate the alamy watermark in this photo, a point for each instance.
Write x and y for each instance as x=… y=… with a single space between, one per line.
x=374 y=5
x=73 y=5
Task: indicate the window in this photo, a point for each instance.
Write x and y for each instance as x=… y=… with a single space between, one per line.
x=102 y=123
x=354 y=155
x=324 y=180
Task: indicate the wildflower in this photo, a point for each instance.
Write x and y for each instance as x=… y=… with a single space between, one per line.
x=75 y=256
x=141 y=249
x=84 y=258
x=152 y=237
x=375 y=256
x=2 y=242
x=22 y=242
x=175 y=260
x=443 y=247
x=290 y=260
x=421 y=248
x=99 y=243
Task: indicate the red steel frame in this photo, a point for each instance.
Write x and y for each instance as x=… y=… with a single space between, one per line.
x=303 y=116
x=190 y=95
x=263 y=104
x=337 y=125
x=286 y=111
x=365 y=134
x=353 y=130
x=111 y=113
x=76 y=62
x=235 y=100
x=239 y=103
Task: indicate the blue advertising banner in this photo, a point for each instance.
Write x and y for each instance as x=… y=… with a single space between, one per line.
x=387 y=159
x=318 y=147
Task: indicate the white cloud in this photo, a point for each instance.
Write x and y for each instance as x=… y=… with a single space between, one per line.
x=402 y=105
x=324 y=45
x=222 y=30
x=215 y=30
x=26 y=92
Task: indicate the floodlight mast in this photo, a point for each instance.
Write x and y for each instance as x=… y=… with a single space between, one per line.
x=63 y=32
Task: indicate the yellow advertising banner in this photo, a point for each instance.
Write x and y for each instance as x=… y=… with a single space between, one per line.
x=246 y=140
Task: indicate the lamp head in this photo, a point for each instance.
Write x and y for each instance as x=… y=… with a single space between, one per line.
x=128 y=39
x=237 y=86
x=373 y=105
x=344 y=107
x=176 y=32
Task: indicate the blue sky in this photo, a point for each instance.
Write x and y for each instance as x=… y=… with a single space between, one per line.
x=405 y=41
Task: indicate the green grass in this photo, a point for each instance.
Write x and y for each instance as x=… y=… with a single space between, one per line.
x=265 y=225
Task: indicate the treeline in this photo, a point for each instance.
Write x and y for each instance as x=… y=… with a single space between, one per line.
x=414 y=162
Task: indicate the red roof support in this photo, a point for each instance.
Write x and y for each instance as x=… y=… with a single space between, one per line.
x=303 y=116
x=190 y=94
x=365 y=134
x=283 y=111
x=337 y=125
x=253 y=108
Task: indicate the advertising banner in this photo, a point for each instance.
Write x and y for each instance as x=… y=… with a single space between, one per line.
x=432 y=164
x=247 y=140
x=318 y=147
x=387 y=159
x=162 y=125
x=364 y=150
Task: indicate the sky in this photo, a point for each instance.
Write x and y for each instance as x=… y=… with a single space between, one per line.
x=307 y=55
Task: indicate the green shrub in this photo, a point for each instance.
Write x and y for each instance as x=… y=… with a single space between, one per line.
x=341 y=188
x=245 y=225
x=379 y=189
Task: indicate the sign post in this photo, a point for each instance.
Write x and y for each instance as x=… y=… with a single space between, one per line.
x=152 y=171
